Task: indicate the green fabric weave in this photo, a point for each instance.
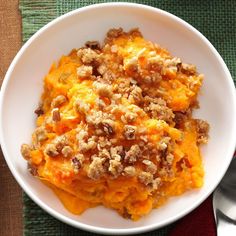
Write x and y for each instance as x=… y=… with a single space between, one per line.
x=215 y=19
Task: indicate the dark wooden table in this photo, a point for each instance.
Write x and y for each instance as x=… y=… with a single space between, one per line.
x=10 y=192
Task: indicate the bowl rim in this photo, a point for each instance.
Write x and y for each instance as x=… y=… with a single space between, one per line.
x=61 y=217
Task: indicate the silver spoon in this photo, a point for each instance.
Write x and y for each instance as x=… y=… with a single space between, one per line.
x=224 y=203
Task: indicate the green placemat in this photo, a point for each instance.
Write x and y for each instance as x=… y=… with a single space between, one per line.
x=215 y=19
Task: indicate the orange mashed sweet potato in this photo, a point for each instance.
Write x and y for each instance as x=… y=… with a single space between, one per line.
x=115 y=127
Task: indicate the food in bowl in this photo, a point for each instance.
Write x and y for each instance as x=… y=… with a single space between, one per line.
x=115 y=127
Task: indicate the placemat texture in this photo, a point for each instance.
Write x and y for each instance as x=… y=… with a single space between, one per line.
x=215 y=19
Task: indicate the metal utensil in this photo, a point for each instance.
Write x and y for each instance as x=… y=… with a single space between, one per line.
x=224 y=203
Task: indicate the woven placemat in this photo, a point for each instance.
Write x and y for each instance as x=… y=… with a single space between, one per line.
x=215 y=19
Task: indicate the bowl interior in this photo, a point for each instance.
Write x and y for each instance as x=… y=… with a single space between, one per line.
x=23 y=86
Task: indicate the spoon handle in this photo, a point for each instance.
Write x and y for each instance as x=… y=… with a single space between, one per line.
x=224 y=226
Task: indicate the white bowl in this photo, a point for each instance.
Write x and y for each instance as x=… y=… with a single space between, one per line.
x=23 y=83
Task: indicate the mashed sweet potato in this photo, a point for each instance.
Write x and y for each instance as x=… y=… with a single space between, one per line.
x=115 y=127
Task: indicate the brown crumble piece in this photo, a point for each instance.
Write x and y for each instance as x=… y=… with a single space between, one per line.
x=40 y=134
x=150 y=166
x=88 y=55
x=129 y=132
x=32 y=169
x=67 y=151
x=188 y=69
x=104 y=153
x=202 y=130
x=129 y=171
x=145 y=178
x=171 y=64
x=117 y=153
x=84 y=71
x=58 y=101
x=56 y=116
x=96 y=168
x=133 y=154
x=103 y=90
x=51 y=150
x=83 y=145
x=26 y=151
x=102 y=69
x=113 y=33
x=115 y=167
x=129 y=117
x=136 y=95
x=81 y=106
x=60 y=142
x=158 y=109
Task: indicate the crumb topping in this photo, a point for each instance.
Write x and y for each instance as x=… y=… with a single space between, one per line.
x=121 y=113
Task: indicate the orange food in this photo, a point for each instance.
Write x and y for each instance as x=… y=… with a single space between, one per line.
x=115 y=127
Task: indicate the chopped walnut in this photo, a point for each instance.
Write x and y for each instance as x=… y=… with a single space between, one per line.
x=183 y=164
x=103 y=90
x=32 y=169
x=129 y=132
x=115 y=167
x=67 y=151
x=129 y=171
x=179 y=119
x=56 y=116
x=26 y=151
x=114 y=33
x=150 y=166
x=108 y=126
x=202 y=130
x=39 y=111
x=94 y=45
x=51 y=150
x=77 y=162
x=133 y=154
x=84 y=71
x=96 y=168
x=87 y=55
x=58 y=101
